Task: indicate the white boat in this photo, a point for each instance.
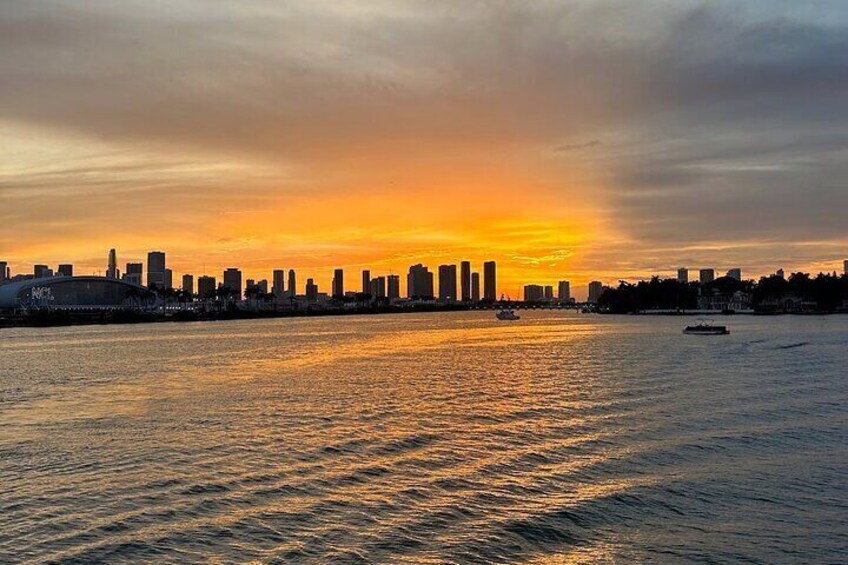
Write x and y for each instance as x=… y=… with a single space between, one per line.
x=704 y=327
x=507 y=314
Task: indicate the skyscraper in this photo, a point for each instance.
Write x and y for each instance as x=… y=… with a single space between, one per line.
x=262 y=286
x=564 y=291
x=156 y=269
x=683 y=275
x=549 y=292
x=735 y=274
x=393 y=287
x=311 y=290
x=419 y=283
x=366 y=281
x=133 y=273
x=338 y=284
x=3 y=267
x=188 y=284
x=66 y=270
x=707 y=276
x=475 y=287
x=596 y=289
x=845 y=267
x=206 y=287
x=465 y=280
x=112 y=267
x=533 y=293
x=169 y=278
x=279 y=286
x=292 y=284
x=42 y=271
x=377 y=288
x=447 y=282
x=232 y=281
x=489 y=282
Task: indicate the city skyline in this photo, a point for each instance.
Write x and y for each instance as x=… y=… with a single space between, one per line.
x=612 y=154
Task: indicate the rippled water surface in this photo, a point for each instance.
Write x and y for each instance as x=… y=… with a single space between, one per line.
x=433 y=438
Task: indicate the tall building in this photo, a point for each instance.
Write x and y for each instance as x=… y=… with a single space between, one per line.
x=279 y=286
x=188 y=284
x=292 y=284
x=489 y=282
x=564 y=291
x=366 y=281
x=683 y=275
x=66 y=270
x=596 y=289
x=707 y=276
x=311 y=290
x=447 y=282
x=377 y=288
x=206 y=287
x=262 y=286
x=549 y=292
x=42 y=271
x=156 y=269
x=534 y=293
x=112 y=267
x=845 y=267
x=465 y=280
x=475 y=287
x=393 y=287
x=232 y=281
x=338 y=283
x=132 y=274
x=735 y=274
x=3 y=271
x=419 y=283
x=169 y=278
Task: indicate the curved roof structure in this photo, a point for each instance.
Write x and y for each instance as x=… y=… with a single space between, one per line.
x=75 y=293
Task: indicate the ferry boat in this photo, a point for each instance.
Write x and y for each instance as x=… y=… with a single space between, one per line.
x=507 y=314
x=704 y=327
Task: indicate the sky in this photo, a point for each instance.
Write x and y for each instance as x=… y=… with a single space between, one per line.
x=566 y=140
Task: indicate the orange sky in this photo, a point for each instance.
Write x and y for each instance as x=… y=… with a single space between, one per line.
x=572 y=141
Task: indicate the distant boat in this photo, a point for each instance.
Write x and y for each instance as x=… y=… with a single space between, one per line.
x=704 y=327
x=507 y=314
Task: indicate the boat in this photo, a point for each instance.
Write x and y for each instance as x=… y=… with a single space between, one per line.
x=507 y=314
x=705 y=327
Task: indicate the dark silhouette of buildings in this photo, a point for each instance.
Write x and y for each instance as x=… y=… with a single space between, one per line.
x=419 y=283
x=489 y=282
x=279 y=284
x=366 y=282
x=377 y=288
x=311 y=290
x=156 y=269
x=292 y=284
x=706 y=275
x=447 y=283
x=393 y=287
x=112 y=267
x=596 y=288
x=42 y=271
x=206 y=287
x=564 y=291
x=465 y=280
x=66 y=270
x=338 y=284
x=232 y=281
x=133 y=273
x=188 y=284
x=475 y=287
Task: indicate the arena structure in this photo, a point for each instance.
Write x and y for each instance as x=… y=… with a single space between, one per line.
x=83 y=293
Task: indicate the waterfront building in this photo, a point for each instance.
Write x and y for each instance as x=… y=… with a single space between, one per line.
x=133 y=273
x=393 y=287
x=419 y=283
x=706 y=275
x=188 y=284
x=549 y=292
x=534 y=293
x=206 y=287
x=475 y=287
x=262 y=286
x=248 y=286
x=112 y=266
x=596 y=289
x=735 y=274
x=338 y=284
x=156 y=269
x=4 y=271
x=489 y=282
x=311 y=290
x=42 y=271
x=465 y=280
x=366 y=281
x=377 y=288
x=564 y=291
x=845 y=267
x=169 y=278
x=232 y=281
x=65 y=270
x=683 y=275
x=447 y=283
x=85 y=293
x=292 y=284
x=279 y=286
